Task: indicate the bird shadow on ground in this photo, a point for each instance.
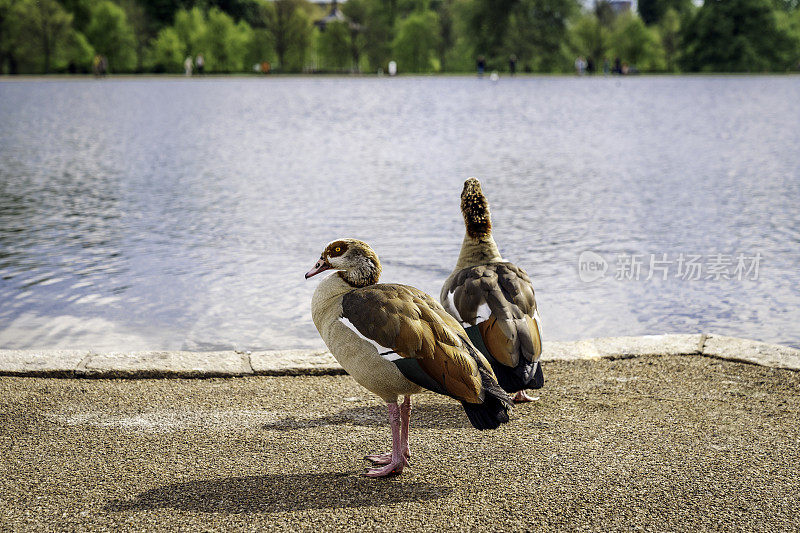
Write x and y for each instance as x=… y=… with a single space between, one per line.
x=280 y=492
x=442 y=416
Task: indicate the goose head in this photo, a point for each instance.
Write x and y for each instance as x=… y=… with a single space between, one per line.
x=475 y=208
x=356 y=262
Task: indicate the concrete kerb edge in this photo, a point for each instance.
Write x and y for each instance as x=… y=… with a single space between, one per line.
x=148 y=365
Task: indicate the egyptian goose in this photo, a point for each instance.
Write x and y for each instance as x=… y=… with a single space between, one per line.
x=395 y=341
x=493 y=299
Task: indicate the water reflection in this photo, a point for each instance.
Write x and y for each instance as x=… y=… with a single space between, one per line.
x=183 y=213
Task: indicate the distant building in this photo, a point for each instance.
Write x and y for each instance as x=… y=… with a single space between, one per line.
x=334 y=15
x=619 y=6
x=622 y=6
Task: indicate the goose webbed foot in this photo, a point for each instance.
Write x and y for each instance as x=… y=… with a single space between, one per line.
x=392 y=463
x=386 y=458
x=522 y=397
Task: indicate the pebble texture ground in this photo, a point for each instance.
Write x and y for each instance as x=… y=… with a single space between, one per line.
x=670 y=443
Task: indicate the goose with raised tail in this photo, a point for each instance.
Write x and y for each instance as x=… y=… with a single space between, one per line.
x=494 y=300
x=396 y=341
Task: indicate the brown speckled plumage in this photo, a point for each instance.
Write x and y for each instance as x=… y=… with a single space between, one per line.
x=495 y=295
x=475 y=209
x=414 y=325
x=507 y=290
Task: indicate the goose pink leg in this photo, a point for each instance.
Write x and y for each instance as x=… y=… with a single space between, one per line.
x=398 y=459
x=405 y=424
x=522 y=397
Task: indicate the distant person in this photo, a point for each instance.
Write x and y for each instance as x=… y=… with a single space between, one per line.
x=481 y=66
x=580 y=65
x=187 y=65
x=103 y=65
x=265 y=67
x=590 y=65
x=606 y=66
x=512 y=64
x=617 y=66
x=200 y=63
x=625 y=69
x=96 y=65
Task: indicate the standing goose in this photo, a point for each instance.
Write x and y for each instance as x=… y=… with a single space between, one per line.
x=493 y=299
x=395 y=341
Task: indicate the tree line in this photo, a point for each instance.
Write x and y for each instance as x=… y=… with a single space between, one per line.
x=45 y=36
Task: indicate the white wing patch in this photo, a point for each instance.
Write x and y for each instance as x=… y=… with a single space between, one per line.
x=538 y=320
x=385 y=352
x=451 y=307
x=483 y=312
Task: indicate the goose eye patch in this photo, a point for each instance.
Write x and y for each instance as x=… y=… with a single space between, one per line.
x=336 y=249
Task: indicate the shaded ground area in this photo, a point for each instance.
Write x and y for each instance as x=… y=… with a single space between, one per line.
x=671 y=443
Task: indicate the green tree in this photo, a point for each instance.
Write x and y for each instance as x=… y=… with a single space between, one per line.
x=143 y=29
x=6 y=42
x=590 y=38
x=376 y=29
x=635 y=43
x=485 y=24
x=290 y=27
x=789 y=23
x=416 y=43
x=44 y=27
x=111 y=35
x=357 y=13
x=260 y=48
x=238 y=10
x=226 y=42
x=167 y=52
x=736 y=36
x=653 y=11
x=334 y=45
x=77 y=52
x=536 y=32
x=191 y=29
x=787 y=5
x=669 y=31
x=81 y=12
x=445 y=11
x=162 y=12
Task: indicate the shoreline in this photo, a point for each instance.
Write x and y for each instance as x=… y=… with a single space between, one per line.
x=368 y=75
x=200 y=365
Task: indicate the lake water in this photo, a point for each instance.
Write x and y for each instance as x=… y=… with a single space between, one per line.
x=182 y=214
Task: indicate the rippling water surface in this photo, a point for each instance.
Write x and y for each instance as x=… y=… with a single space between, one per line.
x=167 y=214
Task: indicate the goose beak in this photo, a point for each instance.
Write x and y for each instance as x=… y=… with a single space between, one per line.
x=319 y=266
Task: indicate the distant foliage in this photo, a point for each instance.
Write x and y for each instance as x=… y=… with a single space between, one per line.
x=535 y=34
x=168 y=52
x=225 y=42
x=334 y=46
x=590 y=38
x=416 y=42
x=738 y=36
x=636 y=44
x=289 y=24
x=38 y=36
x=653 y=11
x=112 y=36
